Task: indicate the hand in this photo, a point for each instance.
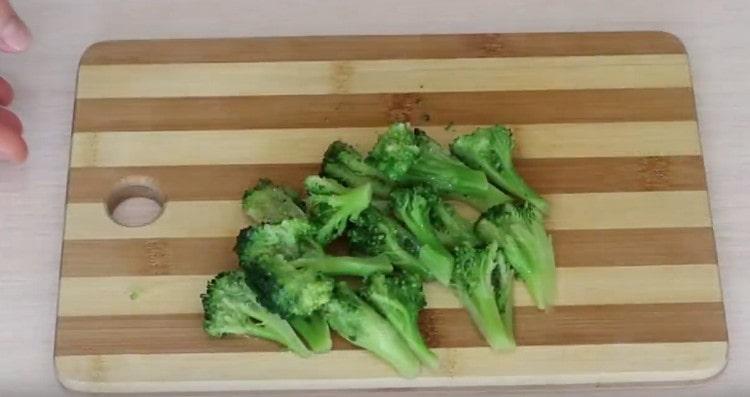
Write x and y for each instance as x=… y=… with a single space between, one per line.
x=14 y=37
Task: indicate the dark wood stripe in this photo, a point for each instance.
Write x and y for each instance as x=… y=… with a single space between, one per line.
x=571 y=175
x=380 y=47
x=371 y=110
x=198 y=256
x=566 y=325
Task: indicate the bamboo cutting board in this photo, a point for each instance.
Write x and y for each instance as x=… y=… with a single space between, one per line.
x=607 y=131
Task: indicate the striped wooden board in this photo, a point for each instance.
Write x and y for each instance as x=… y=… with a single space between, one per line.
x=607 y=131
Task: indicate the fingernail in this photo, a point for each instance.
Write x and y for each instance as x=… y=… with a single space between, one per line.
x=16 y=35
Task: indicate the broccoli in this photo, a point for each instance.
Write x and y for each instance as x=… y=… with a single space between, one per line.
x=412 y=206
x=231 y=308
x=519 y=229
x=451 y=228
x=374 y=233
x=410 y=157
x=360 y=324
x=475 y=282
x=267 y=202
x=314 y=330
x=330 y=205
x=490 y=150
x=345 y=164
x=399 y=297
x=293 y=240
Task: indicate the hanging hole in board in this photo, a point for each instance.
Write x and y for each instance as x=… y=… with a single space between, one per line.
x=135 y=201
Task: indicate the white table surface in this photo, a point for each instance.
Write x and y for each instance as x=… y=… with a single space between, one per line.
x=716 y=33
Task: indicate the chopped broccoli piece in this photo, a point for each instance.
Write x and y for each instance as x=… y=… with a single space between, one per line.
x=362 y=325
x=314 y=330
x=411 y=157
x=519 y=229
x=374 y=233
x=399 y=297
x=490 y=150
x=293 y=240
x=231 y=308
x=451 y=228
x=475 y=286
x=412 y=206
x=345 y=164
x=286 y=290
x=267 y=202
x=330 y=205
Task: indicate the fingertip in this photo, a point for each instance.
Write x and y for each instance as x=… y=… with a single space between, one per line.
x=6 y=93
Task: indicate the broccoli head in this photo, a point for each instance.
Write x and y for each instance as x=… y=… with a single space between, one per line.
x=490 y=150
x=231 y=308
x=331 y=205
x=399 y=297
x=268 y=202
x=475 y=280
x=411 y=157
x=345 y=164
x=362 y=325
x=412 y=206
x=374 y=233
x=519 y=229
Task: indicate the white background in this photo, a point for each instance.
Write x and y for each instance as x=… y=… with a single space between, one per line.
x=716 y=33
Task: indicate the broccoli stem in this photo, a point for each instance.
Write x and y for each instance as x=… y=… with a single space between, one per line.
x=453 y=229
x=438 y=265
x=314 y=330
x=514 y=184
x=345 y=265
x=413 y=337
x=481 y=304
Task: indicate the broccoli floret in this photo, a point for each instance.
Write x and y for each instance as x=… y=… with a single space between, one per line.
x=330 y=205
x=410 y=157
x=474 y=281
x=519 y=229
x=294 y=241
x=345 y=164
x=268 y=202
x=314 y=330
x=231 y=308
x=490 y=150
x=399 y=297
x=286 y=290
x=451 y=228
x=374 y=233
x=360 y=324
x=412 y=206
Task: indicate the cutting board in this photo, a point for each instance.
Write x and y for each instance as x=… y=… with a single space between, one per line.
x=607 y=131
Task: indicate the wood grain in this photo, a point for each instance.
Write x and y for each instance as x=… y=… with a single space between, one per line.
x=380 y=47
x=192 y=256
x=371 y=110
x=566 y=325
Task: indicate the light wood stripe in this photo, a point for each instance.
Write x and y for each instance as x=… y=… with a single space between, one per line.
x=190 y=219
x=548 y=176
x=479 y=366
x=565 y=325
x=303 y=146
x=272 y=49
x=148 y=295
x=372 y=110
x=383 y=76
x=196 y=256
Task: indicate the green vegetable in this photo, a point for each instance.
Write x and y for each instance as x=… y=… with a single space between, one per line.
x=362 y=325
x=476 y=281
x=399 y=297
x=411 y=157
x=412 y=206
x=314 y=330
x=345 y=164
x=267 y=202
x=330 y=205
x=490 y=150
x=374 y=233
x=451 y=228
x=519 y=229
x=231 y=308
